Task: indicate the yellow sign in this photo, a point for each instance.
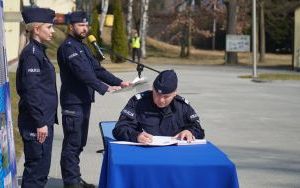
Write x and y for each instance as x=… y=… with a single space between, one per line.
x=109 y=20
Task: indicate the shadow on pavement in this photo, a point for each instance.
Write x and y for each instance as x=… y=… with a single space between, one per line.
x=52 y=182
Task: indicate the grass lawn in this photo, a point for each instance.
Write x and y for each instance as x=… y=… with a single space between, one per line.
x=274 y=76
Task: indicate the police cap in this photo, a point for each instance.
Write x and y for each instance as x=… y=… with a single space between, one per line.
x=166 y=82
x=78 y=17
x=43 y=15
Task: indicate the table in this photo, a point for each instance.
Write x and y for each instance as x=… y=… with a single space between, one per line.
x=204 y=166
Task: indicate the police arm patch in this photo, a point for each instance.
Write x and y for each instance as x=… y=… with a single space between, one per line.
x=128 y=113
x=73 y=55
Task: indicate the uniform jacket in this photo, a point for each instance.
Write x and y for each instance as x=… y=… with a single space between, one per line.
x=36 y=86
x=141 y=114
x=81 y=74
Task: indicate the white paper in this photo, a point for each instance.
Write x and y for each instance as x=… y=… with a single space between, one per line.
x=138 y=80
x=163 y=141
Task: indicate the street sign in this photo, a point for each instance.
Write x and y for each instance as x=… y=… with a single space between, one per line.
x=237 y=43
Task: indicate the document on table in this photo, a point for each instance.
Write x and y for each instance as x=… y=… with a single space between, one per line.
x=163 y=141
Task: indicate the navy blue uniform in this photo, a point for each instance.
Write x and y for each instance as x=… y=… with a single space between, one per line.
x=36 y=86
x=81 y=75
x=141 y=113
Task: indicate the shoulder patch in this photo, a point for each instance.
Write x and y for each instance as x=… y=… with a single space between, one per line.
x=142 y=95
x=128 y=113
x=138 y=96
x=73 y=55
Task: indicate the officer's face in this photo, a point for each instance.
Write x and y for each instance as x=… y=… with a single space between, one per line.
x=163 y=100
x=80 y=30
x=44 y=32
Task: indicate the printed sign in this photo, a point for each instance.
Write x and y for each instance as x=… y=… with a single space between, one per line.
x=237 y=43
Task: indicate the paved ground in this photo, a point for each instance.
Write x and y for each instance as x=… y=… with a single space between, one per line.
x=256 y=124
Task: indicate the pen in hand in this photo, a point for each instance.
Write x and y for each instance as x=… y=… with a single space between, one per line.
x=144 y=137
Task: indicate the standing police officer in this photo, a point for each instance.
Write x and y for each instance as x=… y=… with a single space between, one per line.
x=135 y=46
x=160 y=112
x=36 y=86
x=81 y=75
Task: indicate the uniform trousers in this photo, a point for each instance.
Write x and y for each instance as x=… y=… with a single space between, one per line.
x=75 y=121
x=37 y=158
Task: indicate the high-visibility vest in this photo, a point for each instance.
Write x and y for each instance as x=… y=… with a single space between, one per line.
x=135 y=42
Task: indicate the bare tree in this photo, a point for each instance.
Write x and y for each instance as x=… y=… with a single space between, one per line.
x=143 y=26
x=231 y=27
x=104 y=8
x=33 y=3
x=129 y=18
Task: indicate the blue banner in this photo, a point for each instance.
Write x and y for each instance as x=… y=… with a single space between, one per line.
x=8 y=169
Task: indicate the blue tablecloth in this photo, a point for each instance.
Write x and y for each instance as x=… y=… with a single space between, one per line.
x=170 y=166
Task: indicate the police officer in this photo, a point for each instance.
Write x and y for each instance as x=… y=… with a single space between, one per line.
x=81 y=75
x=160 y=112
x=36 y=86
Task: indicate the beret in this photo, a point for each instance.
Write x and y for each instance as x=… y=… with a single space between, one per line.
x=43 y=15
x=166 y=82
x=78 y=17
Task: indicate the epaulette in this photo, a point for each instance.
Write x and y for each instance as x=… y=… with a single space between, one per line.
x=182 y=99
x=138 y=96
x=142 y=95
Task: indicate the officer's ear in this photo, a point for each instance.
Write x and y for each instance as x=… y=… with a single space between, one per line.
x=36 y=28
x=71 y=28
x=175 y=93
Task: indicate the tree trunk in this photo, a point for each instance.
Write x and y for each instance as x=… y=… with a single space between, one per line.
x=231 y=6
x=143 y=26
x=189 y=32
x=213 y=45
x=183 y=42
x=129 y=19
x=104 y=8
x=33 y=3
x=262 y=46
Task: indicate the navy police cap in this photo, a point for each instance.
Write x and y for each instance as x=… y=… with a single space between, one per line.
x=166 y=82
x=43 y=15
x=78 y=17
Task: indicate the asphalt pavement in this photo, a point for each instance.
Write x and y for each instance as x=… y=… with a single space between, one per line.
x=255 y=123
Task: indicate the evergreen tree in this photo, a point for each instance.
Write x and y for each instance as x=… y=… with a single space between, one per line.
x=94 y=23
x=118 y=35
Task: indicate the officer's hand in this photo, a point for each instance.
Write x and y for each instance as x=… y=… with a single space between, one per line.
x=185 y=135
x=125 y=84
x=42 y=133
x=144 y=138
x=113 y=88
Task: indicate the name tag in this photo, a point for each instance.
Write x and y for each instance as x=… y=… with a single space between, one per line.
x=33 y=70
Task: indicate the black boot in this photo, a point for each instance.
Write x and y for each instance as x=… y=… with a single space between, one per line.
x=81 y=184
x=84 y=184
